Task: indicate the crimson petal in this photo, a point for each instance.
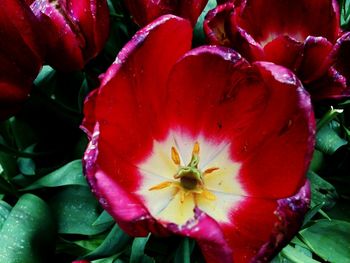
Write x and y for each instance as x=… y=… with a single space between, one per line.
x=21 y=55
x=140 y=72
x=145 y=11
x=75 y=31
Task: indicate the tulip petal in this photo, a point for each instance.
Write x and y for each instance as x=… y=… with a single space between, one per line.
x=145 y=11
x=21 y=55
x=64 y=39
x=277 y=221
x=284 y=51
x=260 y=136
x=316 y=59
x=125 y=109
x=93 y=20
x=332 y=85
x=216 y=26
x=342 y=50
x=265 y=20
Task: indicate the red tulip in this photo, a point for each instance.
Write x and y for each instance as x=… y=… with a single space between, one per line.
x=200 y=143
x=300 y=35
x=75 y=30
x=20 y=54
x=145 y=11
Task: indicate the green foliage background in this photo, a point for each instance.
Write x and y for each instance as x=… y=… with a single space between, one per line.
x=48 y=214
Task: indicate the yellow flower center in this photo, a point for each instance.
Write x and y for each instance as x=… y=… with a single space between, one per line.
x=188 y=181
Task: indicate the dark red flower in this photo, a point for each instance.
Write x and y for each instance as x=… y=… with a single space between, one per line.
x=145 y=11
x=300 y=35
x=74 y=30
x=200 y=143
x=20 y=54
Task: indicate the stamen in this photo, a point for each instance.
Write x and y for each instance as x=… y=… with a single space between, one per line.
x=175 y=156
x=209 y=195
x=195 y=150
x=182 y=196
x=210 y=170
x=160 y=186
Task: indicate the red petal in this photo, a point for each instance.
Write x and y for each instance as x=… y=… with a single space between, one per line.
x=284 y=51
x=21 y=55
x=145 y=11
x=125 y=109
x=330 y=86
x=216 y=26
x=316 y=59
x=261 y=227
x=342 y=50
x=242 y=110
x=221 y=28
x=93 y=20
x=266 y=19
x=63 y=38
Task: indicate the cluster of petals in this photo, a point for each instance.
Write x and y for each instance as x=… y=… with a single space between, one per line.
x=302 y=35
x=145 y=11
x=75 y=31
x=65 y=34
x=21 y=54
x=201 y=143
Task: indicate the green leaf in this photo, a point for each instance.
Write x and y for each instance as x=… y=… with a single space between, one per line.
x=5 y=210
x=26 y=165
x=317 y=161
x=328 y=141
x=312 y=212
x=137 y=249
x=295 y=256
x=322 y=192
x=115 y=242
x=184 y=251
x=45 y=76
x=199 y=37
x=104 y=218
x=329 y=240
x=75 y=210
x=70 y=174
x=328 y=117
x=28 y=233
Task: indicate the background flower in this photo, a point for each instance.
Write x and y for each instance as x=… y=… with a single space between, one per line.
x=163 y=116
x=21 y=55
x=74 y=31
x=299 y=35
x=145 y=11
